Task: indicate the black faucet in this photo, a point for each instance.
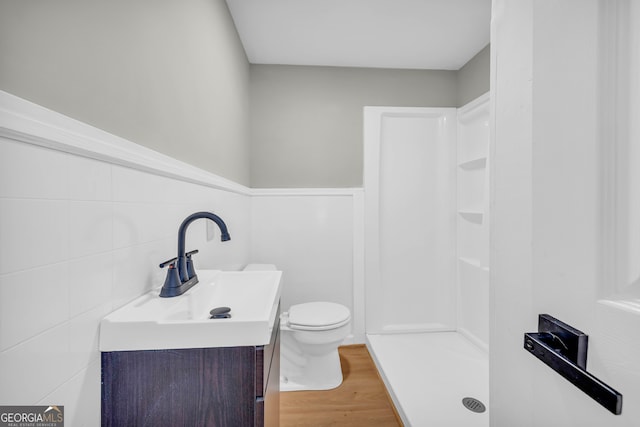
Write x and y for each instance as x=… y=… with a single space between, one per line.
x=181 y=276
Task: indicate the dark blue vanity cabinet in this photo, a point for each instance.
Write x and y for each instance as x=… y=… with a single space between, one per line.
x=224 y=386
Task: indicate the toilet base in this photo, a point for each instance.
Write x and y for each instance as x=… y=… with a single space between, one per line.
x=314 y=373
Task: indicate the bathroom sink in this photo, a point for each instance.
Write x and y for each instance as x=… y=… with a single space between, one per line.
x=154 y=323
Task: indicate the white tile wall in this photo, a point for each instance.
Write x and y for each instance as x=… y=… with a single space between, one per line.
x=37 y=231
x=26 y=171
x=36 y=367
x=89 y=282
x=32 y=301
x=79 y=238
x=81 y=408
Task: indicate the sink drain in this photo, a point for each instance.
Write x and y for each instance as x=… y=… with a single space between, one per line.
x=220 y=313
x=474 y=405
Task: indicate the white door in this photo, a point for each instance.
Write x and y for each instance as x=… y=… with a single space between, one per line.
x=565 y=203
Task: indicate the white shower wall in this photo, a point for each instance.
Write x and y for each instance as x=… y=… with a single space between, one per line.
x=410 y=219
x=427 y=258
x=426 y=220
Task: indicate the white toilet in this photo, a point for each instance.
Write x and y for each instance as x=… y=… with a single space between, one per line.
x=310 y=334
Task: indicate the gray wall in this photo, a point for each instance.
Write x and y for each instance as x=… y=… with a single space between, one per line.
x=306 y=122
x=473 y=77
x=170 y=75
x=173 y=76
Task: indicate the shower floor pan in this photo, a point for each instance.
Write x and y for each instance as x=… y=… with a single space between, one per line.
x=429 y=374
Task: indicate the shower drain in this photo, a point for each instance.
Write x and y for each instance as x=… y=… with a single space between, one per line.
x=473 y=405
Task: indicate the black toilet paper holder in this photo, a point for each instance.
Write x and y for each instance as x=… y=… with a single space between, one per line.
x=564 y=349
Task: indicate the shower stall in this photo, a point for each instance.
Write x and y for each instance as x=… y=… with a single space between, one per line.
x=426 y=258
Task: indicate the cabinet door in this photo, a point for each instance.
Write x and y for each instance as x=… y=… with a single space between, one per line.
x=187 y=387
x=272 y=392
x=268 y=382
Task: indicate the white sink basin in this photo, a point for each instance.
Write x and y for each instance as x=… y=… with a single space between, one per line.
x=154 y=323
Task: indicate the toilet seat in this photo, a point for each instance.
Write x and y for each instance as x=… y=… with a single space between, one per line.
x=318 y=316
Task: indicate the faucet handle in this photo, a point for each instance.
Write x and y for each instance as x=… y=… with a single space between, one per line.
x=169 y=262
x=163 y=264
x=191 y=271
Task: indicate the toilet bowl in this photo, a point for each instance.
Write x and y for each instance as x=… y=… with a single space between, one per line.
x=310 y=334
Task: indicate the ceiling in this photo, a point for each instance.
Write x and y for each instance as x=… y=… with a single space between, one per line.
x=410 y=34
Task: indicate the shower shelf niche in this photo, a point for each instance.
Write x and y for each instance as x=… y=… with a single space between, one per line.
x=473 y=262
x=472 y=215
x=472 y=187
x=478 y=163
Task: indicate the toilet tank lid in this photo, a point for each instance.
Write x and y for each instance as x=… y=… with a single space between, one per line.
x=318 y=314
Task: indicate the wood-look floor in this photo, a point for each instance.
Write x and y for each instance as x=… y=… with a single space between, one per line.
x=360 y=401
